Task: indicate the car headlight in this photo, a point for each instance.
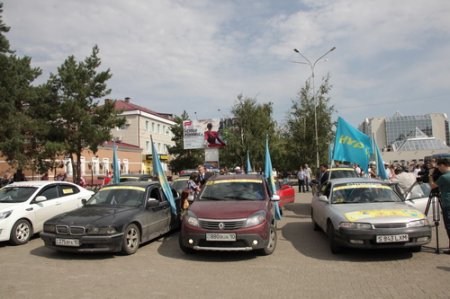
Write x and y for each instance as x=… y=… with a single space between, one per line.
x=191 y=219
x=418 y=223
x=355 y=225
x=255 y=219
x=107 y=230
x=5 y=214
x=50 y=228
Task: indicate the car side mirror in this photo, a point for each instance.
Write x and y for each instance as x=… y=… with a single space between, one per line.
x=323 y=198
x=83 y=201
x=152 y=202
x=275 y=197
x=40 y=198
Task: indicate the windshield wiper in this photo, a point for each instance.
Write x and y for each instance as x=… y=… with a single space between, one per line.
x=210 y=198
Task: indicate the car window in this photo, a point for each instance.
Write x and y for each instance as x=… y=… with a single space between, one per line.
x=419 y=191
x=338 y=174
x=66 y=190
x=16 y=194
x=118 y=195
x=155 y=192
x=50 y=192
x=363 y=193
x=233 y=190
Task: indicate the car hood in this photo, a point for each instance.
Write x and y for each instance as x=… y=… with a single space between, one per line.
x=229 y=209
x=95 y=215
x=378 y=212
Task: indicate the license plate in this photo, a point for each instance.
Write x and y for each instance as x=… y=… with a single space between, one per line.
x=220 y=237
x=67 y=242
x=392 y=238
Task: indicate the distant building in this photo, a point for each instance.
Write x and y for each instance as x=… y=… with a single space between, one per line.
x=141 y=123
x=406 y=138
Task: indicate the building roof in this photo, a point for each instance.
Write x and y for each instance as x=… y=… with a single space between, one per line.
x=125 y=105
x=122 y=145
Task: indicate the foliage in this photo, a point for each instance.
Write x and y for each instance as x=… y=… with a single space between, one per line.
x=300 y=129
x=184 y=159
x=82 y=123
x=251 y=123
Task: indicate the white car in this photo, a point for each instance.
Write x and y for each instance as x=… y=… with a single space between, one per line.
x=24 y=206
x=366 y=213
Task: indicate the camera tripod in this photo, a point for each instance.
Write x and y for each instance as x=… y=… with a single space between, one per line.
x=434 y=201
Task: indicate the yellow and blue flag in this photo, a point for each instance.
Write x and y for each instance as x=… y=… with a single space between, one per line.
x=351 y=145
x=268 y=172
x=381 y=171
x=116 y=166
x=248 y=167
x=159 y=173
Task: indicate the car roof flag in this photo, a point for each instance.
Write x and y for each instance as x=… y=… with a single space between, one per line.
x=116 y=166
x=159 y=173
x=268 y=173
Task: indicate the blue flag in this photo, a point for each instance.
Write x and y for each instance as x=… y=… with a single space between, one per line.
x=116 y=166
x=248 y=166
x=379 y=160
x=268 y=172
x=158 y=172
x=352 y=145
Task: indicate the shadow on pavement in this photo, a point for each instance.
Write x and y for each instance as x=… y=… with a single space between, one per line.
x=301 y=210
x=60 y=255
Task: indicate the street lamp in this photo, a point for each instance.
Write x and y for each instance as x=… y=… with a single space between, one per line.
x=312 y=66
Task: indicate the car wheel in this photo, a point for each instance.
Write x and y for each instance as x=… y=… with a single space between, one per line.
x=315 y=226
x=334 y=246
x=183 y=248
x=270 y=248
x=21 y=232
x=131 y=239
x=416 y=249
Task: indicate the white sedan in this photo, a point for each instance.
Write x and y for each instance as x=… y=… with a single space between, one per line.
x=24 y=206
x=366 y=213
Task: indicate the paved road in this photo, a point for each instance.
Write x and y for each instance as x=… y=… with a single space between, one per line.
x=301 y=267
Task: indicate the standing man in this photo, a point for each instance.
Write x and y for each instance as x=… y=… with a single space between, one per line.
x=202 y=175
x=301 y=179
x=307 y=176
x=443 y=182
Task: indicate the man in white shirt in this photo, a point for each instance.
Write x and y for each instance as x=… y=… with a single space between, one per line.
x=307 y=171
x=404 y=179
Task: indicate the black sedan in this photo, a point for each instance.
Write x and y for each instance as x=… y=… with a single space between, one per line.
x=117 y=218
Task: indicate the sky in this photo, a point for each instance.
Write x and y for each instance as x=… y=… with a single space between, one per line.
x=198 y=56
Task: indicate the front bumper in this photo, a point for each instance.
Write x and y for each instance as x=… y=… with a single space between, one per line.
x=109 y=243
x=367 y=238
x=247 y=239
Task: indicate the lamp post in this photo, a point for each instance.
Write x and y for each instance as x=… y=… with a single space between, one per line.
x=312 y=66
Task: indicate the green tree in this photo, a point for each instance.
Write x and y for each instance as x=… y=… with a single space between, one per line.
x=252 y=122
x=82 y=123
x=20 y=131
x=300 y=128
x=183 y=159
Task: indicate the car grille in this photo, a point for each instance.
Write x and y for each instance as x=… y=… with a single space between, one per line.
x=222 y=224
x=390 y=225
x=70 y=230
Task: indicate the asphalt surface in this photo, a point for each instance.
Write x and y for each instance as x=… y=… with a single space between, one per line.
x=301 y=267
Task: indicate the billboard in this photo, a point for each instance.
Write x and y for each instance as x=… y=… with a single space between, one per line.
x=202 y=134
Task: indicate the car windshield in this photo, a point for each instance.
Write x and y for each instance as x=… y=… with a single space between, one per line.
x=233 y=190
x=16 y=194
x=118 y=196
x=179 y=184
x=363 y=193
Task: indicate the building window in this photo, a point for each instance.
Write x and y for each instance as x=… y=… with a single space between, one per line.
x=153 y=127
x=147 y=147
x=159 y=129
x=147 y=125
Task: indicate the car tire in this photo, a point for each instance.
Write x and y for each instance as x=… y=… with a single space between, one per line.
x=131 y=239
x=335 y=248
x=272 y=244
x=315 y=226
x=21 y=232
x=416 y=249
x=183 y=248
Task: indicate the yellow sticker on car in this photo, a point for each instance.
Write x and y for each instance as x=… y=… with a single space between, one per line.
x=67 y=191
x=123 y=187
x=233 y=181
x=358 y=186
x=363 y=214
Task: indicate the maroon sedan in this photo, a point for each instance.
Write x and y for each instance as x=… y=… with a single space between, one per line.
x=232 y=213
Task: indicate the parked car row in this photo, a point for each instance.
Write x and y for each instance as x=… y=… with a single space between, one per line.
x=231 y=213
